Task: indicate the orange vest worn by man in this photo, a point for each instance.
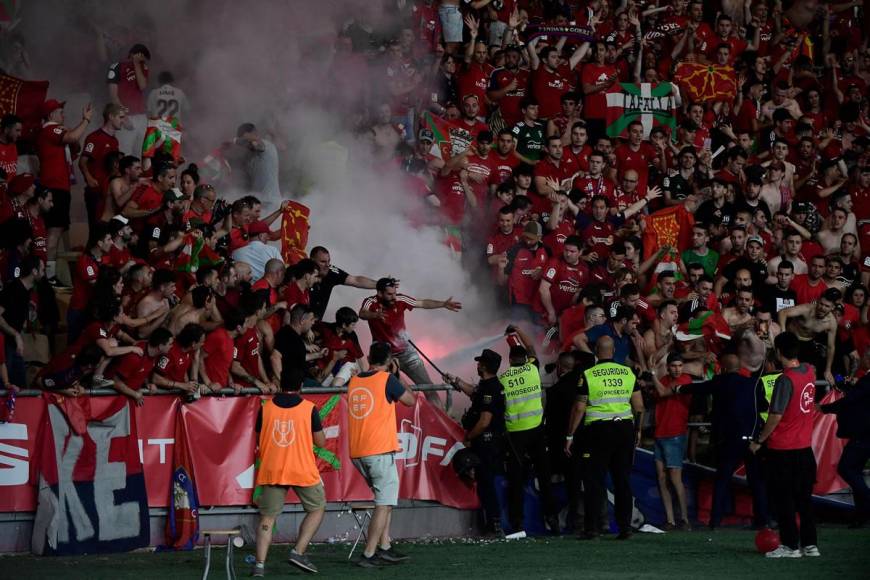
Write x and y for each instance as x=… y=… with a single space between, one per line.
x=371 y=398
x=289 y=428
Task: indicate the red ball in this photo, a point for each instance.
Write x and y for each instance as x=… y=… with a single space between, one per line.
x=766 y=540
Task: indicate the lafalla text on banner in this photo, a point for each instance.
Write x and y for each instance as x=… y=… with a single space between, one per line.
x=653 y=104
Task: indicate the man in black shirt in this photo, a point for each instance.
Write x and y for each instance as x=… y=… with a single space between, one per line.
x=779 y=296
x=329 y=277
x=16 y=308
x=290 y=351
x=484 y=426
x=753 y=259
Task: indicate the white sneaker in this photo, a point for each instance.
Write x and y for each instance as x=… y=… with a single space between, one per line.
x=520 y=535
x=783 y=552
x=811 y=551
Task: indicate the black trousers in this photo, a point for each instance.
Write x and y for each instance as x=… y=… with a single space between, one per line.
x=729 y=454
x=856 y=453
x=491 y=464
x=792 y=474
x=608 y=447
x=524 y=449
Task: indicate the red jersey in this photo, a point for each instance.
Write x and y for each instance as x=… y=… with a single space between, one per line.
x=218 y=356
x=554 y=240
x=640 y=160
x=499 y=243
x=90 y=335
x=39 y=234
x=238 y=237
x=117 y=258
x=485 y=171
x=807 y=293
x=571 y=322
x=599 y=237
x=9 y=159
x=672 y=413
x=565 y=283
x=595 y=106
x=581 y=158
x=175 y=364
x=97 y=147
x=504 y=166
x=523 y=264
x=334 y=343
x=592 y=186
x=795 y=429
x=860 y=202
x=548 y=88
x=131 y=368
x=547 y=167
x=738 y=46
x=293 y=294
x=392 y=328
x=474 y=80
x=246 y=351
x=509 y=104
x=131 y=96
x=86 y=272
x=451 y=194
x=54 y=158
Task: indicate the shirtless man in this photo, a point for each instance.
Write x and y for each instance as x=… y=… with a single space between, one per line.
x=766 y=328
x=202 y=311
x=659 y=339
x=121 y=187
x=739 y=316
x=161 y=296
x=808 y=322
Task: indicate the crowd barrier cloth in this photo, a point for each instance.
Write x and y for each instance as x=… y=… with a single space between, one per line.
x=221 y=440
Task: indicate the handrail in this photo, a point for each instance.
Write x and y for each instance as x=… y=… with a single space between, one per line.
x=223 y=392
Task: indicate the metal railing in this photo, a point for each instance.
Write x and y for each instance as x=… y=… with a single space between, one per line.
x=103 y=392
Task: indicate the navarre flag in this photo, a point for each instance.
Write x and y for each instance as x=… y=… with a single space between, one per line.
x=706 y=82
x=182 y=521
x=653 y=104
x=90 y=481
x=23 y=98
x=671 y=226
x=450 y=139
x=162 y=135
x=294 y=231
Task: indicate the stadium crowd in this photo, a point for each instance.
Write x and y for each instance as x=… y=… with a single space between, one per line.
x=495 y=115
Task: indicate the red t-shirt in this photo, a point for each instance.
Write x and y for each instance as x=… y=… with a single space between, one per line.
x=451 y=194
x=640 y=160
x=392 y=328
x=592 y=186
x=485 y=170
x=218 y=351
x=565 y=282
x=334 y=342
x=509 y=104
x=795 y=429
x=40 y=234
x=175 y=364
x=9 y=159
x=504 y=166
x=97 y=147
x=599 y=237
x=805 y=292
x=474 y=80
x=566 y=169
x=87 y=270
x=548 y=88
x=672 y=413
x=132 y=369
x=554 y=240
x=595 y=105
x=581 y=158
x=54 y=166
x=238 y=237
x=131 y=96
x=571 y=322
x=522 y=285
x=295 y=295
x=246 y=351
x=90 y=335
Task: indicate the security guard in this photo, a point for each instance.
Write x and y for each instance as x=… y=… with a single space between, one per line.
x=767 y=381
x=525 y=438
x=484 y=426
x=607 y=401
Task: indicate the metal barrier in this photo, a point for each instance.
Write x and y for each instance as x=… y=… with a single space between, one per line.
x=223 y=392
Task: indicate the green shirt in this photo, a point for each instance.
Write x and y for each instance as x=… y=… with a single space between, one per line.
x=710 y=260
x=530 y=140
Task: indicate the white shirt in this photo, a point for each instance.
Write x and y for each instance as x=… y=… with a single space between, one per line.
x=256 y=254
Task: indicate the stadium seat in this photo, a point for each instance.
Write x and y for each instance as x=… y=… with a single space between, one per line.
x=231 y=536
x=362 y=513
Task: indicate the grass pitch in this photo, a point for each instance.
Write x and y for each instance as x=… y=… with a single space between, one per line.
x=727 y=553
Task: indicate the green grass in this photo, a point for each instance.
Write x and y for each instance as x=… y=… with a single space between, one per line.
x=723 y=554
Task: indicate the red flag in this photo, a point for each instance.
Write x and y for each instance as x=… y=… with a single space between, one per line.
x=294 y=232
x=827 y=448
x=706 y=82
x=23 y=98
x=182 y=522
x=668 y=227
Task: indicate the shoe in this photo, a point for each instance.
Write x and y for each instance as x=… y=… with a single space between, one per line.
x=669 y=527
x=520 y=535
x=258 y=571
x=301 y=561
x=811 y=551
x=392 y=555
x=624 y=535
x=685 y=526
x=370 y=562
x=784 y=552
x=552 y=524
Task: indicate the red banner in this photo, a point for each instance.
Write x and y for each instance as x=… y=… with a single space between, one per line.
x=221 y=439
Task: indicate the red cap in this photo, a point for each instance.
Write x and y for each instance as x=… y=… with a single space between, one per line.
x=20 y=184
x=50 y=105
x=257 y=228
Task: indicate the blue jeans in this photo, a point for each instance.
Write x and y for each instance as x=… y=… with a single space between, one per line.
x=75 y=324
x=451 y=23
x=15 y=365
x=729 y=455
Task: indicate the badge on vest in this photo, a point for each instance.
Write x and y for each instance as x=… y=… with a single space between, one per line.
x=283 y=433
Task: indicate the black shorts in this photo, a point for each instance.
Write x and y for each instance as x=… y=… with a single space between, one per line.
x=58 y=215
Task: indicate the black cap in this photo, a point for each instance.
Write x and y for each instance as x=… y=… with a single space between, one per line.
x=490 y=359
x=518 y=351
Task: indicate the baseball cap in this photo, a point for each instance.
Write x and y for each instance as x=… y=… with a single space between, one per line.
x=21 y=183
x=532 y=228
x=51 y=105
x=490 y=358
x=257 y=228
x=757 y=239
x=173 y=194
x=121 y=218
x=426 y=135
